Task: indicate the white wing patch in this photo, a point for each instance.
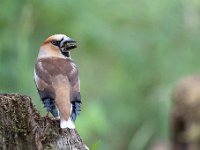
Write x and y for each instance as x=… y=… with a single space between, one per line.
x=36 y=78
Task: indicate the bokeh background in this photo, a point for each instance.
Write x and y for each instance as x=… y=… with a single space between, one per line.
x=130 y=55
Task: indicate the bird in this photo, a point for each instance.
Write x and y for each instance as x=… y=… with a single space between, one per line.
x=57 y=79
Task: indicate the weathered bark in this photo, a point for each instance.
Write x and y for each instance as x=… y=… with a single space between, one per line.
x=186 y=114
x=22 y=128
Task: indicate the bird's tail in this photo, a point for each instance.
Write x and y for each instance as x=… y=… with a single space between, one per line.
x=67 y=123
x=63 y=103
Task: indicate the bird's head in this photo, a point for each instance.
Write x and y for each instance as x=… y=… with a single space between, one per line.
x=58 y=44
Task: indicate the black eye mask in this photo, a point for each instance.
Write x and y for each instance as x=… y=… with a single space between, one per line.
x=56 y=43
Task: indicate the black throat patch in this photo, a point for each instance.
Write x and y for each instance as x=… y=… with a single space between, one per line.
x=66 y=54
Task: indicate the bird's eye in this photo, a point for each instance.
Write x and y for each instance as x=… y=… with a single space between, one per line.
x=56 y=43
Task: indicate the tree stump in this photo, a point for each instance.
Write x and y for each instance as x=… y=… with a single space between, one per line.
x=186 y=114
x=22 y=128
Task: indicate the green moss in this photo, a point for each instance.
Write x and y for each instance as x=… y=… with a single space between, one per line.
x=20 y=119
x=15 y=113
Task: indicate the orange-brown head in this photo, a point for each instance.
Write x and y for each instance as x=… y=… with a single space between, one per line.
x=57 y=45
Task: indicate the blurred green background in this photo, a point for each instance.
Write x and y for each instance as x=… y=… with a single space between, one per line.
x=130 y=55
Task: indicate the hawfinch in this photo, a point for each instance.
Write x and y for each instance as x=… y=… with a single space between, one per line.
x=57 y=80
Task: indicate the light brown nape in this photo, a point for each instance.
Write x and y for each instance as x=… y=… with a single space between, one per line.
x=49 y=50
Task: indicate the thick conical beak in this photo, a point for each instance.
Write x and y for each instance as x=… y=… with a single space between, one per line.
x=67 y=44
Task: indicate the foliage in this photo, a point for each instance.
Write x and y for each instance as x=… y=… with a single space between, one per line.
x=130 y=55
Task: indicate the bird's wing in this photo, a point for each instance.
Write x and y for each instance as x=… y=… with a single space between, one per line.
x=46 y=70
x=75 y=92
x=45 y=90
